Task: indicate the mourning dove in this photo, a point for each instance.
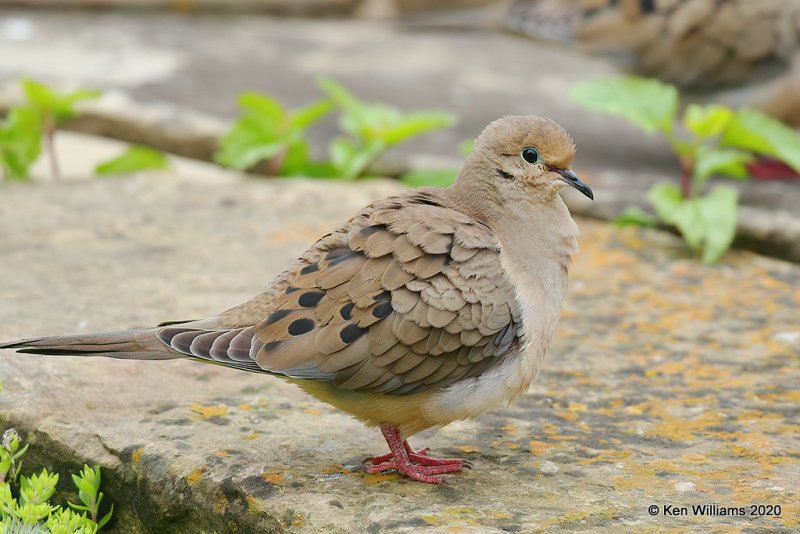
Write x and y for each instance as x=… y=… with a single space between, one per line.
x=696 y=44
x=425 y=308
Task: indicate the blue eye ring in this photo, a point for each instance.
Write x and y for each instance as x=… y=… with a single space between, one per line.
x=530 y=154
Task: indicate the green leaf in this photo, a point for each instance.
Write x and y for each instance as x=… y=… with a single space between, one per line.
x=415 y=124
x=341 y=96
x=38 y=488
x=20 y=142
x=58 y=105
x=727 y=161
x=264 y=106
x=752 y=130
x=351 y=160
x=247 y=143
x=666 y=198
x=634 y=216
x=266 y=130
x=707 y=121
x=649 y=104
x=136 y=158
x=373 y=128
x=673 y=209
x=466 y=146
x=719 y=212
x=105 y=518
x=304 y=117
x=430 y=177
x=707 y=222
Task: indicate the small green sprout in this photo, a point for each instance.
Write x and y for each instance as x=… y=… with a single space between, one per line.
x=136 y=159
x=88 y=484
x=53 y=108
x=373 y=128
x=268 y=131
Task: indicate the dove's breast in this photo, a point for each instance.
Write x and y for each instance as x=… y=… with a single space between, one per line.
x=538 y=273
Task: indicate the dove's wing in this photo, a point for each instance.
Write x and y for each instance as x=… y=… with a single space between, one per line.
x=409 y=295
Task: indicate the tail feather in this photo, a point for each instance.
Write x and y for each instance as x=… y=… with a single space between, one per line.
x=127 y=344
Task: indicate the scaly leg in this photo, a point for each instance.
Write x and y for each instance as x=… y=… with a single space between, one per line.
x=415 y=465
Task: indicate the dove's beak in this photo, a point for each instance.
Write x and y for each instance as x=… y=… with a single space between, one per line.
x=571 y=179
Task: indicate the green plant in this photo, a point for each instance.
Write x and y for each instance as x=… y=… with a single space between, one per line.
x=136 y=158
x=20 y=142
x=29 y=510
x=268 y=131
x=715 y=140
x=88 y=484
x=373 y=128
x=53 y=108
x=10 y=454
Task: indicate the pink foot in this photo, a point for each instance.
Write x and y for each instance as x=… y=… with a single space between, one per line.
x=415 y=465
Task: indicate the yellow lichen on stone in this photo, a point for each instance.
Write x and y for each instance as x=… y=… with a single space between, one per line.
x=539 y=448
x=195 y=476
x=253 y=504
x=273 y=477
x=463 y=515
x=221 y=504
x=136 y=457
x=207 y=412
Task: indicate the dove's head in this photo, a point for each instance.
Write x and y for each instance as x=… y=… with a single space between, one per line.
x=522 y=157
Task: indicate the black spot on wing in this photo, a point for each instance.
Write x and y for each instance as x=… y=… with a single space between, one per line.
x=346 y=311
x=342 y=258
x=301 y=326
x=336 y=253
x=369 y=230
x=310 y=299
x=276 y=316
x=314 y=267
x=382 y=310
x=351 y=333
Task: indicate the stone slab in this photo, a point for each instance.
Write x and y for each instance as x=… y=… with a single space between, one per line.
x=669 y=383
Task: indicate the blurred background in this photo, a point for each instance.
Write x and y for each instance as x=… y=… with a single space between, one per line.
x=170 y=74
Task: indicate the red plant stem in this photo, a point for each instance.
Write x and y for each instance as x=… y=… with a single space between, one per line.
x=274 y=165
x=686 y=182
x=50 y=144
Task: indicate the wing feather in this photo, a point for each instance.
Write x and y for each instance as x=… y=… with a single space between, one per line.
x=409 y=295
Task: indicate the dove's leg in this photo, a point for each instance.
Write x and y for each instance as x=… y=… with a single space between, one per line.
x=421 y=457
x=415 y=465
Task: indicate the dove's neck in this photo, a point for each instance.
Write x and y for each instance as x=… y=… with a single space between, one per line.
x=537 y=244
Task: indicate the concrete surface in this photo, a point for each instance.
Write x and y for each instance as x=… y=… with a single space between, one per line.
x=669 y=383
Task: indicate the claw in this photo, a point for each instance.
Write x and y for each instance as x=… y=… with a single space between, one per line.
x=415 y=465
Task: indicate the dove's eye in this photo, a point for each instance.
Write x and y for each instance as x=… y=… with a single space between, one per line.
x=530 y=154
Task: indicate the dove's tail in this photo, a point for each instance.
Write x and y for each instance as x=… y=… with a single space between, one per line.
x=142 y=344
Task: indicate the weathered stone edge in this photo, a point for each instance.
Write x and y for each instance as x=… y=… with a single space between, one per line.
x=144 y=488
